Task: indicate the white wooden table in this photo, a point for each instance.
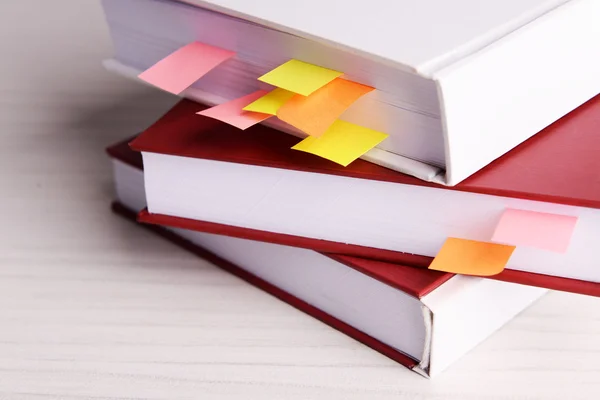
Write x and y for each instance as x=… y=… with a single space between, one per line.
x=94 y=307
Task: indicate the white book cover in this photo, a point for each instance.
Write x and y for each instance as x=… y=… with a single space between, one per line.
x=458 y=83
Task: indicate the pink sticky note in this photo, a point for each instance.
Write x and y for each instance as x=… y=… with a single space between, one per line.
x=534 y=229
x=232 y=112
x=180 y=69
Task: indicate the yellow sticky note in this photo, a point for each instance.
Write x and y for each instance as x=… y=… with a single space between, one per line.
x=270 y=103
x=470 y=257
x=300 y=77
x=342 y=143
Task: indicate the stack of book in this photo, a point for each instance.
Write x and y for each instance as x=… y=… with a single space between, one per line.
x=412 y=173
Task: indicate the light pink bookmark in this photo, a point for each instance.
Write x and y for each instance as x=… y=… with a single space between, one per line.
x=534 y=229
x=232 y=112
x=182 y=68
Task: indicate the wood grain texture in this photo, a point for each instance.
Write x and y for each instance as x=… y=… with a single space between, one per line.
x=92 y=307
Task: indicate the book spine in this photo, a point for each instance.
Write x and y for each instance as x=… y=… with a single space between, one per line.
x=505 y=93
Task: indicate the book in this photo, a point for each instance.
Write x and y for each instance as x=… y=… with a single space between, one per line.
x=422 y=319
x=202 y=171
x=457 y=84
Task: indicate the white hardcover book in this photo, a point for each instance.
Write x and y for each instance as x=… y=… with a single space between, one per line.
x=458 y=83
x=433 y=330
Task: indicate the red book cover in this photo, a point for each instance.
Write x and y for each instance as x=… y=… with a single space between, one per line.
x=558 y=165
x=123 y=153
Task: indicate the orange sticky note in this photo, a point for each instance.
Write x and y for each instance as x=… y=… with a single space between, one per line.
x=342 y=143
x=534 y=229
x=470 y=257
x=314 y=114
x=232 y=112
x=182 y=68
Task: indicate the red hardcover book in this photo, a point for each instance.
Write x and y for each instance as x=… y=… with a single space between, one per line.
x=406 y=313
x=206 y=175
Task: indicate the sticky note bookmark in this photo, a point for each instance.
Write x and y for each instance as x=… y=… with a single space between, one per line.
x=300 y=77
x=342 y=143
x=232 y=112
x=270 y=102
x=535 y=229
x=314 y=114
x=470 y=257
x=182 y=68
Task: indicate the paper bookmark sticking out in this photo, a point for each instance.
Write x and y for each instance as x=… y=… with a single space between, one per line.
x=232 y=112
x=182 y=68
x=299 y=77
x=534 y=229
x=342 y=143
x=314 y=114
x=469 y=257
x=270 y=103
